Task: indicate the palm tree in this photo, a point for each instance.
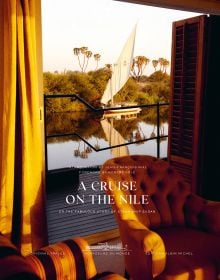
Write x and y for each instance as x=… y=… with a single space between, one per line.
x=155 y=63
x=152 y=135
x=108 y=65
x=142 y=62
x=139 y=64
x=88 y=54
x=83 y=51
x=76 y=52
x=161 y=62
x=77 y=151
x=88 y=150
x=166 y=63
x=85 y=54
x=97 y=57
x=97 y=146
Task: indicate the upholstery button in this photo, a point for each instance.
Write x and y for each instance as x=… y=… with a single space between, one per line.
x=160 y=184
x=143 y=186
x=133 y=173
x=169 y=197
x=134 y=158
x=150 y=172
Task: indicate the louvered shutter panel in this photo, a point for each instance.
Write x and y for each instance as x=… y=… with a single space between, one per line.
x=188 y=49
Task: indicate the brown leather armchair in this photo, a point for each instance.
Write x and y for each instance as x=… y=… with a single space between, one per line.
x=71 y=259
x=169 y=232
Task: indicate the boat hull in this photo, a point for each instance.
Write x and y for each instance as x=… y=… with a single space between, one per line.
x=120 y=113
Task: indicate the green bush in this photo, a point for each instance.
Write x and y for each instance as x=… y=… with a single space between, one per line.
x=91 y=86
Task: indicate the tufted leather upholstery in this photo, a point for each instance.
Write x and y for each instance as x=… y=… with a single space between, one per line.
x=12 y=265
x=169 y=204
x=67 y=260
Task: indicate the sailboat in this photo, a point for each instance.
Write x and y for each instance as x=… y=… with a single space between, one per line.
x=114 y=138
x=120 y=75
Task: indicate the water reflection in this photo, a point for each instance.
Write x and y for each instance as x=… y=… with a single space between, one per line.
x=102 y=132
x=114 y=138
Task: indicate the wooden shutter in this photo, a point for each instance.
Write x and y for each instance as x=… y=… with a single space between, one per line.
x=188 y=49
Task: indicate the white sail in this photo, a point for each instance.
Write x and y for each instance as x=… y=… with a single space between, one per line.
x=114 y=138
x=120 y=70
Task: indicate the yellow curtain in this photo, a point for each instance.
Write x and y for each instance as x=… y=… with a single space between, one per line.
x=22 y=199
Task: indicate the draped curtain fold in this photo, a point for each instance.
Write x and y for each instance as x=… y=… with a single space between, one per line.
x=22 y=197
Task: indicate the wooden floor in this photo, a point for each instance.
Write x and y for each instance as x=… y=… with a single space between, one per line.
x=82 y=219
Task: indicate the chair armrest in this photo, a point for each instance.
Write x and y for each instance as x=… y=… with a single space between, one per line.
x=210 y=217
x=59 y=260
x=152 y=242
x=144 y=245
x=12 y=264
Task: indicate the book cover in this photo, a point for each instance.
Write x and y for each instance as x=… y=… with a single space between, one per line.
x=131 y=187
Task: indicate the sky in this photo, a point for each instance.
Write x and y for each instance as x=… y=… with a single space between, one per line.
x=104 y=26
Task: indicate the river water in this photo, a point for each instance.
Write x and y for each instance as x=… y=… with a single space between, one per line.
x=102 y=132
